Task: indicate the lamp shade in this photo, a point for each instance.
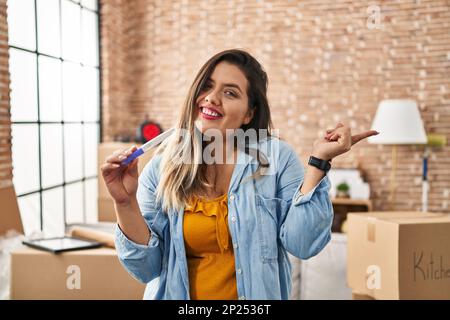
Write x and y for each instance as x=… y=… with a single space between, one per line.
x=398 y=122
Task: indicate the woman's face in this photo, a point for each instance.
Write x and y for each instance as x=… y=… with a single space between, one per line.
x=223 y=103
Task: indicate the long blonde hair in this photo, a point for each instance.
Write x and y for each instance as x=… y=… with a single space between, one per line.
x=179 y=180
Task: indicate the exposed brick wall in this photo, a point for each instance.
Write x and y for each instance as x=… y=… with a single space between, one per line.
x=5 y=117
x=115 y=65
x=324 y=64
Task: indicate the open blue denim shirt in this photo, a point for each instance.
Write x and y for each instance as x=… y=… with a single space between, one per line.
x=267 y=218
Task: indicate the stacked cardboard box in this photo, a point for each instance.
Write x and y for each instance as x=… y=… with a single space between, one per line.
x=82 y=274
x=11 y=237
x=9 y=212
x=399 y=255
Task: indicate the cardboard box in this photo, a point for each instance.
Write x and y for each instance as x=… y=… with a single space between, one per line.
x=11 y=236
x=399 y=255
x=359 y=296
x=83 y=274
x=9 y=212
x=105 y=202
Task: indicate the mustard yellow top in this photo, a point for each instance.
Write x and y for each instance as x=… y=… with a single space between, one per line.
x=209 y=250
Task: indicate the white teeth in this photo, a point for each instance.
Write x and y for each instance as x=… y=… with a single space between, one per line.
x=210 y=113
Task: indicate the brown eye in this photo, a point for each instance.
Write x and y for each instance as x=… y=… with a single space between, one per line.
x=231 y=93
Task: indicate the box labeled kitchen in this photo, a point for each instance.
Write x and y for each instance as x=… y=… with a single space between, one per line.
x=399 y=255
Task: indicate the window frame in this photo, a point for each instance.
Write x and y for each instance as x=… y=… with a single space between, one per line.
x=36 y=53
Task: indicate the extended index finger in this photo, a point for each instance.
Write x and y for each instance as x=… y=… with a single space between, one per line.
x=120 y=154
x=358 y=137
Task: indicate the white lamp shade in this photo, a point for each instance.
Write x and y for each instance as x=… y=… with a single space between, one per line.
x=398 y=122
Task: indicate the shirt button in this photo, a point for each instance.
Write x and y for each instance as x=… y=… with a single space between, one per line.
x=233 y=218
x=242 y=298
x=239 y=271
x=235 y=245
x=232 y=197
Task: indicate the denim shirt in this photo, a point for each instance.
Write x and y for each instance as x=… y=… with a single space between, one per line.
x=268 y=217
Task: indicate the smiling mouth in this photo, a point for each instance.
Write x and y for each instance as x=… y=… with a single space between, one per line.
x=209 y=114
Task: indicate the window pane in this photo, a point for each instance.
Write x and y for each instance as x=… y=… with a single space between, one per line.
x=91 y=200
x=48 y=27
x=22 y=67
x=53 y=212
x=49 y=89
x=30 y=213
x=74 y=203
x=21 y=24
x=71 y=31
x=73 y=156
x=90 y=94
x=89 y=38
x=25 y=155
x=90 y=4
x=91 y=138
x=51 y=155
x=72 y=92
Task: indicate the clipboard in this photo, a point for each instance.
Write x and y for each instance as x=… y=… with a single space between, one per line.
x=61 y=244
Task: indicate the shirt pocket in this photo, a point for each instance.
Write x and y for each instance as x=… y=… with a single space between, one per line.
x=267 y=213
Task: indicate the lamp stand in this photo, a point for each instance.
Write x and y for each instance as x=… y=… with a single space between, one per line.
x=425 y=185
x=392 y=183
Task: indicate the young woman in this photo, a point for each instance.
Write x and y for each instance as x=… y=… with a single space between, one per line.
x=222 y=229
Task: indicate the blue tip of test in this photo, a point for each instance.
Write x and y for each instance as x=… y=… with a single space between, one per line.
x=133 y=156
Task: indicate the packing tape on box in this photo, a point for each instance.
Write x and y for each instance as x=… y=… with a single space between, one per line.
x=371 y=228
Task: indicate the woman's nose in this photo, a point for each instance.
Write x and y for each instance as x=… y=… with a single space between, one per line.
x=212 y=98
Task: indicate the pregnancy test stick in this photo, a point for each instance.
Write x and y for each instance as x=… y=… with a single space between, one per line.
x=147 y=146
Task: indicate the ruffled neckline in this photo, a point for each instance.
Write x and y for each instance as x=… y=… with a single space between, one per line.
x=219 y=198
x=213 y=207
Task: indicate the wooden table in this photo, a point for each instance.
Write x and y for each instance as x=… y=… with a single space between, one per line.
x=342 y=206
